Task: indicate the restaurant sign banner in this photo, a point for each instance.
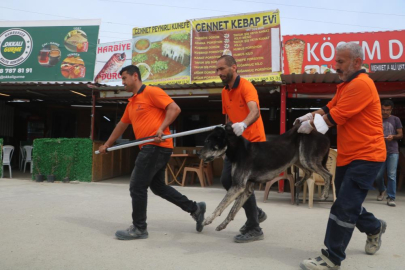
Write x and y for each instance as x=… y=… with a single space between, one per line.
x=111 y=58
x=48 y=50
x=312 y=54
x=162 y=53
x=252 y=39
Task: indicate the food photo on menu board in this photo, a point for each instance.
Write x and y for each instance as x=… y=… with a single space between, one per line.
x=49 y=55
x=164 y=54
x=112 y=66
x=73 y=67
x=76 y=41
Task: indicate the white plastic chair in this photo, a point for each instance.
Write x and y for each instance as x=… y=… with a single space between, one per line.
x=21 y=158
x=7 y=155
x=28 y=156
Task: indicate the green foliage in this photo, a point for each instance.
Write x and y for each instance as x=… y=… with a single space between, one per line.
x=1 y=160
x=64 y=156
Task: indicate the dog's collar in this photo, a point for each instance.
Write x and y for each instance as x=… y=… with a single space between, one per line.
x=235 y=84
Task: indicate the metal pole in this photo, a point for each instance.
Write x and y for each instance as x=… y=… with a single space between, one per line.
x=93 y=112
x=283 y=108
x=185 y=133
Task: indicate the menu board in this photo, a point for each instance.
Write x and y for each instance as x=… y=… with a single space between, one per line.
x=162 y=53
x=111 y=58
x=313 y=54
x=48 y=50
x=252 y=39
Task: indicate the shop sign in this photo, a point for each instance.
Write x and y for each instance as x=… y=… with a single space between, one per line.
x=312 y=54
x=252 y=39
x=48 y=51
x=187 y=52
x=162 y=53
x=111 y=58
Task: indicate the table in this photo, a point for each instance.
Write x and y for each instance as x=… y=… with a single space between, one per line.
x=181 y=160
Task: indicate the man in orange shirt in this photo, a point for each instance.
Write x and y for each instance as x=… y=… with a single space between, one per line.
x=241 y=103
x=356 y=111
x=150 y=111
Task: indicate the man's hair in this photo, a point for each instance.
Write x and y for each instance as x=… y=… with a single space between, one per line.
x=131 y=69
x=355 y=49
x=229 y=60
x=387 y=102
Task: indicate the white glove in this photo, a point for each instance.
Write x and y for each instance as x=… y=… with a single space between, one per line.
x=305 y=127
x=238 y=128
x=306 y=117
x=320 y=124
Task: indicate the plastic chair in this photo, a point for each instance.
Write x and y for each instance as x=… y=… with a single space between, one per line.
x=282 y=176
x=21 y=158
x=28 y=156
x=316 y=179
x=7 y=156
x=203 y=171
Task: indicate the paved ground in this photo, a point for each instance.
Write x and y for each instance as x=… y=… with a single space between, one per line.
x=71 y=226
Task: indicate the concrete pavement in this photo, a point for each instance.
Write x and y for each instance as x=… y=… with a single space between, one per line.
x=72 y=226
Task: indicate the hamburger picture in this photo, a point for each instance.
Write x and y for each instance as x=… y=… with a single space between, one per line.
x=73 y=67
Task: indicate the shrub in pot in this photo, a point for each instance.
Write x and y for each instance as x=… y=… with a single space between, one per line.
x=69 y=164
x=54 y=158
x=39 y=177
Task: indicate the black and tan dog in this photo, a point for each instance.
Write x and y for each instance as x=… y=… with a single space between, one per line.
x=260 y=162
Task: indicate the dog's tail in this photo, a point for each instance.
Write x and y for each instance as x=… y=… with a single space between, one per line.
x=325 y=159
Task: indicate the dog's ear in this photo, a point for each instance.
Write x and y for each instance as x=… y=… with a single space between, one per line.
x=228 y=127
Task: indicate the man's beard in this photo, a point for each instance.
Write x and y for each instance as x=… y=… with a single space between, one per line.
x=344 y=76
x=227 y=79
x=128 y=88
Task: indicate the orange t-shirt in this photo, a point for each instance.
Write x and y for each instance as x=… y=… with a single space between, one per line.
x=356 y=110
x=146 y=111
x=234 y=104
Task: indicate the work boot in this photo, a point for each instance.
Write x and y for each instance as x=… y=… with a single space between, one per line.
x=198 y=216
x=381 y=196
x=319 y=263
x=132 y=233
x=250 y=236
x=373 y=242
x=391 y=202
x=262 y=217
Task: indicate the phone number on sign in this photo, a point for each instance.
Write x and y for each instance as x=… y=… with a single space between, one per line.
x=15 y=70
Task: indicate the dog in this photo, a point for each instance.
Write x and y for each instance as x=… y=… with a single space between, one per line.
x=259 y=162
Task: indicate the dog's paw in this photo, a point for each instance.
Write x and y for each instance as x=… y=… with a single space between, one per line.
x=220 y=227
x=207 y=222
x=324 y=197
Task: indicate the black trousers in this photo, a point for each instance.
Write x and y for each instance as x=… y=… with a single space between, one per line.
x=250 y=205
x=352 y=182
x=149 y=171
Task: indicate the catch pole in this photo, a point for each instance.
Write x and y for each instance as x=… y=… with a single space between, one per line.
x=180 y=134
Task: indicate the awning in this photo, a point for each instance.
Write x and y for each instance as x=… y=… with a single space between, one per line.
x=389 y=84
x=82 y=91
